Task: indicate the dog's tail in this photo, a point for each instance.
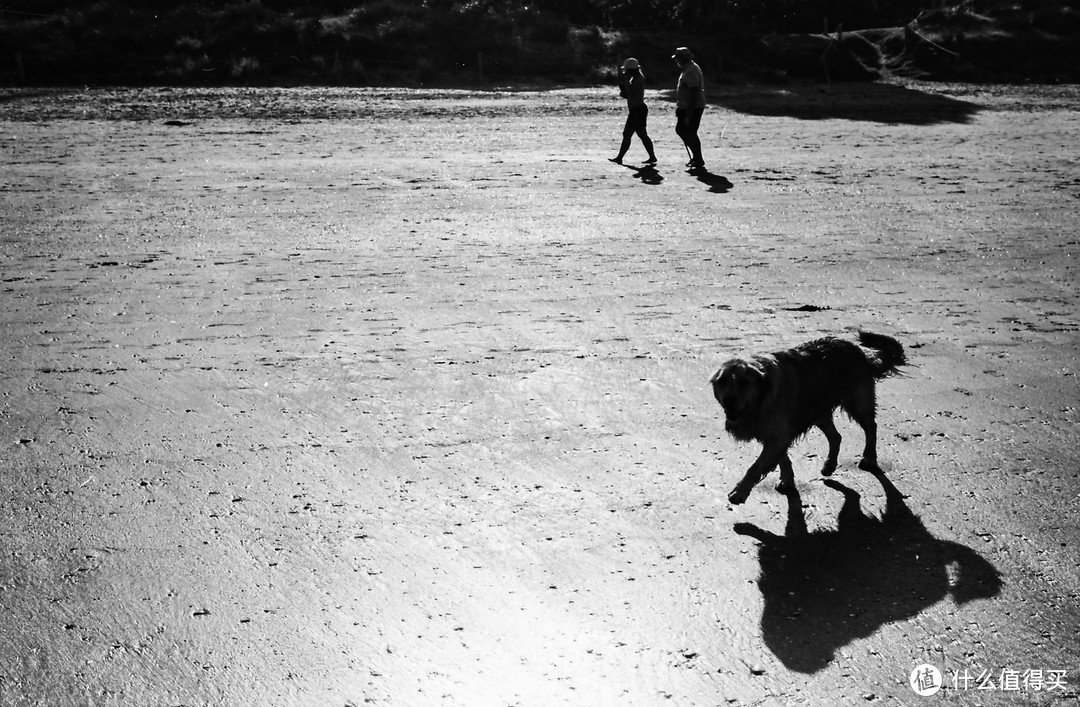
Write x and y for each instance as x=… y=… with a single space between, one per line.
x=888 y=354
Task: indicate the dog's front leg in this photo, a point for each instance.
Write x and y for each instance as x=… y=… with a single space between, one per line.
x=771 y=454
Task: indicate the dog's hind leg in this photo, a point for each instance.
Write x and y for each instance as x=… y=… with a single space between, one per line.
x=787 y=476
x=861 y=409
x=825 y=424
x=869 y=458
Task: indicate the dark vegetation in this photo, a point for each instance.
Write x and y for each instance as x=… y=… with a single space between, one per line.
x=528 y=42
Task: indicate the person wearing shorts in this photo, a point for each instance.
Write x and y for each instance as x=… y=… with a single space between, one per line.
x=632 y=88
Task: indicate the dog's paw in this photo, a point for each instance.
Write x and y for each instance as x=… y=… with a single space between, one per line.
x=870 y=465
x=784 y=487
x=828 y=467
x=737 y=496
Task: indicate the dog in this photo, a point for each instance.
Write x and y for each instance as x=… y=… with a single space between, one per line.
x=776 y=398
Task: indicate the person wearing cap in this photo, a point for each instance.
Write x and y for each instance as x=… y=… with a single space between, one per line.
x=632 y=88
x=689 y=105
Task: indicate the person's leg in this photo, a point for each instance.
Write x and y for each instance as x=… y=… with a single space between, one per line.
x=682 y=126
x=647 y=142
x=692 y=140
x=627 y=133
x=643 y=133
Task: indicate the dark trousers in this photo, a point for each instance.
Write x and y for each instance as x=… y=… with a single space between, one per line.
x=687 y=122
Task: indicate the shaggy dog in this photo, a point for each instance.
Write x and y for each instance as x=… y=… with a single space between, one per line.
x=776 y=398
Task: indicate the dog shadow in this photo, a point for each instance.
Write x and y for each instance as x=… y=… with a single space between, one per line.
x=718 y=184
x=826 y=588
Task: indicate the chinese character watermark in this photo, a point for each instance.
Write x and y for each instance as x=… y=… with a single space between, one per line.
x=926 y=680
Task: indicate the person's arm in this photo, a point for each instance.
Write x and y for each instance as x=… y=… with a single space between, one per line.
x=687 y=92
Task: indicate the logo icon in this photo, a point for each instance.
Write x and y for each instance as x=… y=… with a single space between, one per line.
x=925 y=680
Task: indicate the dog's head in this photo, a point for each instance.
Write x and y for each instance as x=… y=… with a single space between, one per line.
x=739 y=386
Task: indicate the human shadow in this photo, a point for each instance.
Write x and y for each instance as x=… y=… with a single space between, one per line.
x=718 y=184
x=826 y=588
x=647 y=173
x=878 y=102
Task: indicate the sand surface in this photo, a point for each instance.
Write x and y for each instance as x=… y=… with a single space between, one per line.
x=345 y=397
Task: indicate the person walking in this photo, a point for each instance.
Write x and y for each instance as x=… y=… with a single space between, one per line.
x=689 y=105
x=632 y=88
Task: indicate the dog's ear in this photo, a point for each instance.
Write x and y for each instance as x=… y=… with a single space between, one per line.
x=765 y=372
x=714 y=382
x=759 y=368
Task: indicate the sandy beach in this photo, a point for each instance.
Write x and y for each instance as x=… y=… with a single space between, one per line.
x=400 y=397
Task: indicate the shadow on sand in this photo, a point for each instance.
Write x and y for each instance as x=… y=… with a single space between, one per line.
x=824 y=589
x=718 y=184
x=649 y=174
x=872 y=102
